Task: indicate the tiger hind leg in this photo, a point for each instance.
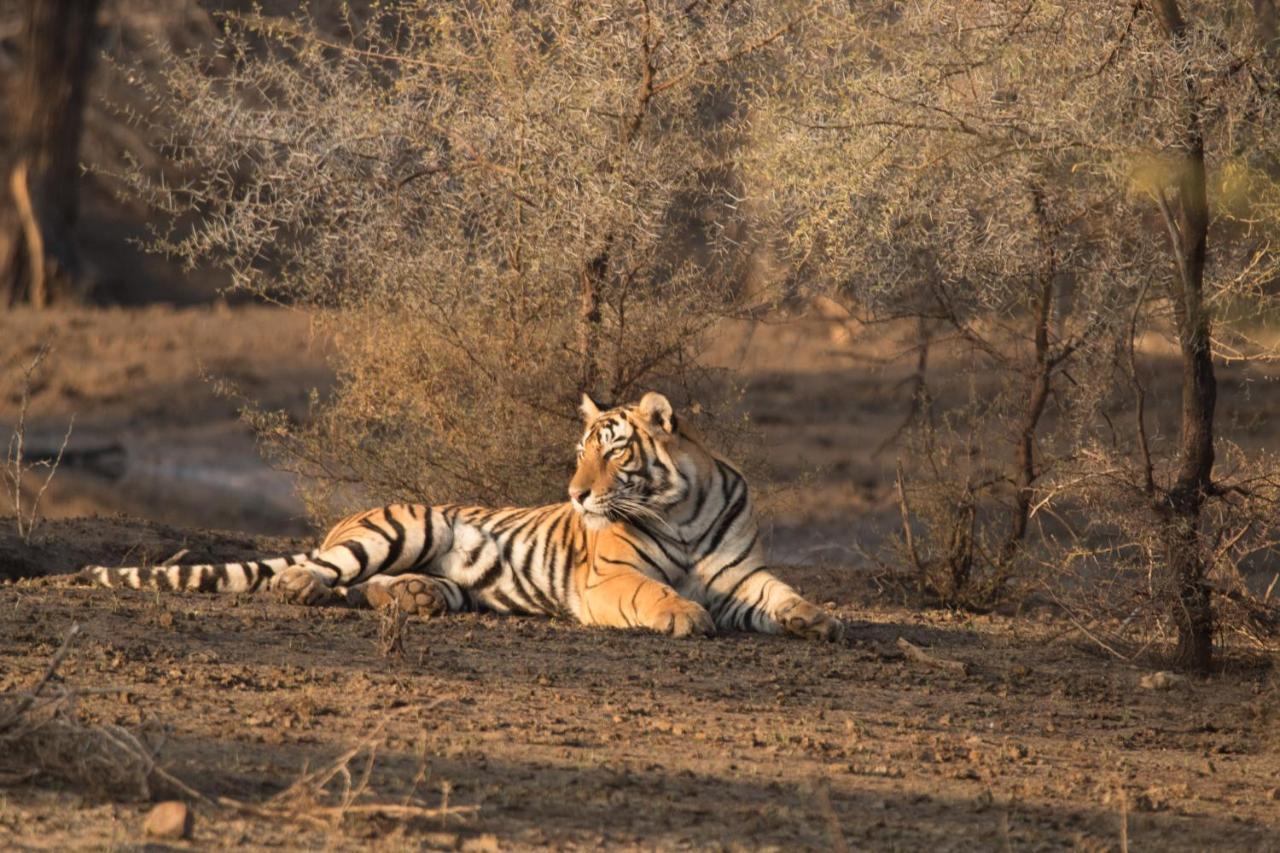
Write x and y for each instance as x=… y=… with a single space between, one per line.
x=416 y=595
x=308 y=584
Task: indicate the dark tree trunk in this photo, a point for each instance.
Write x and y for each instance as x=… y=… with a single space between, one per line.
x=1267 y=18
x=1039 y=385
x=1188 y=221
x=39 y=262
x=1194 y=615
x=592 y=279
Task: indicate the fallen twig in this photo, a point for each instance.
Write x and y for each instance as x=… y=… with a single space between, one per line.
x=174 y=557
x=919 y=655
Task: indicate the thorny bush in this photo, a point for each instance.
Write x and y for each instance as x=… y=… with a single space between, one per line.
x=491 y=209
x=1075 y=202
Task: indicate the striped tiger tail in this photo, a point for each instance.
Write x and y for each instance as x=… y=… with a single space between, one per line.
x=245 y=576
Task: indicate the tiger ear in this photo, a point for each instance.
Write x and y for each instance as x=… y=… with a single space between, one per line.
x=590 y=411
x=657 y=409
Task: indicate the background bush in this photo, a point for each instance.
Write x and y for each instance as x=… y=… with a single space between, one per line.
x=493 y=209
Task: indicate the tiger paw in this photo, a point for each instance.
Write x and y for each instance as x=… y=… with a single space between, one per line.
x=89 y=576
x=682 y=618
x=802 y=619
x=302 y=587
x=413 y=596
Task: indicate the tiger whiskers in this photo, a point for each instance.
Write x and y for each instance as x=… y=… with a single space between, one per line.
x=633 y=510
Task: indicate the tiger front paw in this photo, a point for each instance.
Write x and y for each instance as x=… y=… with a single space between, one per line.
x=684 y=618
x=802 y=619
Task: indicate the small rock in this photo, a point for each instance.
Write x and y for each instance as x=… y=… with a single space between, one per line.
x=1162 y=680
x=1273 y=794
x=170 y=819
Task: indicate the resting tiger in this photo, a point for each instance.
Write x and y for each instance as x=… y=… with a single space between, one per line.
x=657 y=533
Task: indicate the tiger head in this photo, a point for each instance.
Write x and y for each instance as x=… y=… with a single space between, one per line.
x=632 y=462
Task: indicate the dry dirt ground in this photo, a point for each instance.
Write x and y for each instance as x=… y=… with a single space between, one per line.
x=579 y=738
x=551 y=735
x=139 y=383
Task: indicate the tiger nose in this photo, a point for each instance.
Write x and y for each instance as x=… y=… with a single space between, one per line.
x=578 y=495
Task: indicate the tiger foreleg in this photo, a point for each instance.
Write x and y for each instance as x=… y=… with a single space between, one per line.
x=803 y=618
x=755 y=600
x=621 y=597
x=420 y=595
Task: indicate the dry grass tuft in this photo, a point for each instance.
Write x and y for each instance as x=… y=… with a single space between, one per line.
x=17 y=466
x=392 y=623
x=326 y=796
x=42 y=735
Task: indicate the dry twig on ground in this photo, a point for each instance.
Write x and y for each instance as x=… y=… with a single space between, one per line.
x=392 y=622
x=919 y=655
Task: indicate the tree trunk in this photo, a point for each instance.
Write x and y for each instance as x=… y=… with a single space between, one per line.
x=1039 y=385
x=39 y=262
x=592 y=281
x=1193 y=613
x=1267 y=25
x=1188 y=229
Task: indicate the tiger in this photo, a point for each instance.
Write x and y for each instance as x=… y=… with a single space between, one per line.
x=657 y=533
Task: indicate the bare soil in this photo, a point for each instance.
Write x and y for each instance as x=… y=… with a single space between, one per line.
x=580 y=738
x=567 y=737
x=152 y=435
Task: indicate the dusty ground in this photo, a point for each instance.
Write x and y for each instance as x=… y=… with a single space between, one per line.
x=566 y=737
x=558 y=736
x=140 y=382
x=575 y=738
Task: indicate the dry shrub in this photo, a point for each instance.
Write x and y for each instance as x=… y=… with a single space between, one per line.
x=491 y=208
x=18 y=466
x=950 y=522
x=1108 y=574
x=41 y=734
x=1043 y=184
